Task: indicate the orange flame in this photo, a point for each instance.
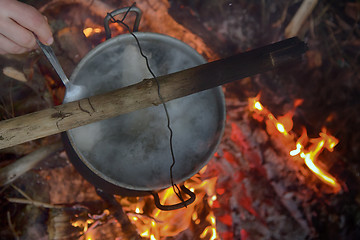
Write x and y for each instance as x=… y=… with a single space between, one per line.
x=283 y=126
x=310 y=156
x=157 y=224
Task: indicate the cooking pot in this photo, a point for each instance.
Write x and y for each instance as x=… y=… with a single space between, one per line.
x=130 y=154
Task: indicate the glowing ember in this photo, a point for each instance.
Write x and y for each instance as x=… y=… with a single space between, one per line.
x=297 y=150
x=322 y=175
x=283 y=125
x=281 y=128
x=89 y=31
x=258 y=106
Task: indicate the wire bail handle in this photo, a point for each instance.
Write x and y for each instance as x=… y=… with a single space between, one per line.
x=111 y=15
x=177 y=205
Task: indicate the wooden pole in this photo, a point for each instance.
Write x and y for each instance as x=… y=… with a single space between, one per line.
x=144 y=94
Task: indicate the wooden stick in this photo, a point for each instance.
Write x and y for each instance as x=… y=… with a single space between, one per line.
x=301 y=15
x=144 y=94
x=33 y=202
x=14 y=170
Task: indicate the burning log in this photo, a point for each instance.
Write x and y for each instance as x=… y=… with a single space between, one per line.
x=261 y=186
x=157 y=11
x=118 y=212
x=144 y=94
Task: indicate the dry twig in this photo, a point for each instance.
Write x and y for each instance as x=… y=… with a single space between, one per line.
x=11 y=226
x=35 y=203
x=300 y=17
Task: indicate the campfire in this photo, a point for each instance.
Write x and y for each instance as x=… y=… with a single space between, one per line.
x=286 y=167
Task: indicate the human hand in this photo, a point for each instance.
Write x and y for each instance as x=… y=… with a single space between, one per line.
x=18 y=24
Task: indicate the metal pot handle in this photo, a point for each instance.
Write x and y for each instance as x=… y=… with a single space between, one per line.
x=177 y=205
x=119 y=11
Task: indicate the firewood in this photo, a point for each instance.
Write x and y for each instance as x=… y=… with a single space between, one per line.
x=300 y=17
x=145 y=94
x=14 y=170
x=14 y=73
x=155 y=11
x=116 y=209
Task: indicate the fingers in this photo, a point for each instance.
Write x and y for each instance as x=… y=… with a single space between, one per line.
x=31 y=19
x=17 y=34
x=7 y=46
x=18 y=24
